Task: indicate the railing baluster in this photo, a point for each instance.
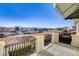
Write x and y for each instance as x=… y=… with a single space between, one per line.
x=12 y=50
x=6 y=50
x=19 y=48
x=15 y=50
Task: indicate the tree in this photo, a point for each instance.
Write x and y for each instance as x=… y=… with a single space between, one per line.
x=17 y=28
x=1 y=29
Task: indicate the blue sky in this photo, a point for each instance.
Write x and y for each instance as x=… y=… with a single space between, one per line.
x=42 y=15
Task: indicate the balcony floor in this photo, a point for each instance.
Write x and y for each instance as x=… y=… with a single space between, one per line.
x=61 y=49
x=58 y=49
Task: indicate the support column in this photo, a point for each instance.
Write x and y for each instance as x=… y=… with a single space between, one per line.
x=76 y=23
x=7 y=49
x=75 y=40
x=55 y=37
x=2 y=46
x=75 y=37
x=39 y=43
x=77 y=29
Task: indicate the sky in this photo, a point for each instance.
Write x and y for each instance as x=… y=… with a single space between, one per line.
x=41 y=15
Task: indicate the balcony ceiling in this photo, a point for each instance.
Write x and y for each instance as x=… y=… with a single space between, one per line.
x=68 y=10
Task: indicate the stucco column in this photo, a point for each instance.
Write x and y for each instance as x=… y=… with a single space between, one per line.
x=2 y=46
x=55 y=37
x=39 y=43
x=75 y=40
x=75 y=37
x=76 y=23
x=77 y=29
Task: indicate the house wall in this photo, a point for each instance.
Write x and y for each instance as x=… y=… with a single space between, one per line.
x=75 y=37
x=75 y=40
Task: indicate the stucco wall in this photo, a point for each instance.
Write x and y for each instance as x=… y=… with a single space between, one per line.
x=39 y=43
x=2 y=45
x=75 y=40
x=55 y=37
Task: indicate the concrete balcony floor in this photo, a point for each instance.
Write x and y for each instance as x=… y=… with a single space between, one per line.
x=58 y=49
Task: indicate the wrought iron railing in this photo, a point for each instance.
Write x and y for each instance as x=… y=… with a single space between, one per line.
x=19 y=49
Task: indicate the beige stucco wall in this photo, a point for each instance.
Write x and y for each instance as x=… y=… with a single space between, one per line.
x=39 y=43
x=75 y=40
x=75 y=37
x=2 y=45
x=77 y=28
x=55 y=37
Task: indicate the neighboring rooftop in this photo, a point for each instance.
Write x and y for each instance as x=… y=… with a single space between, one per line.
x=15 y=39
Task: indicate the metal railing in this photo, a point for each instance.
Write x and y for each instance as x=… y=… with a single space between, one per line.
x=19 y=49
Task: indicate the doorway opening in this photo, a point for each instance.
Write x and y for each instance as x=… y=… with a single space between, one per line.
x=47 y=39
x=65 y=38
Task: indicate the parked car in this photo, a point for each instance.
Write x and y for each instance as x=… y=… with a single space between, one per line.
x=2 y=35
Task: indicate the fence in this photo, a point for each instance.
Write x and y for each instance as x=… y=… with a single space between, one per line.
x=18 y=49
